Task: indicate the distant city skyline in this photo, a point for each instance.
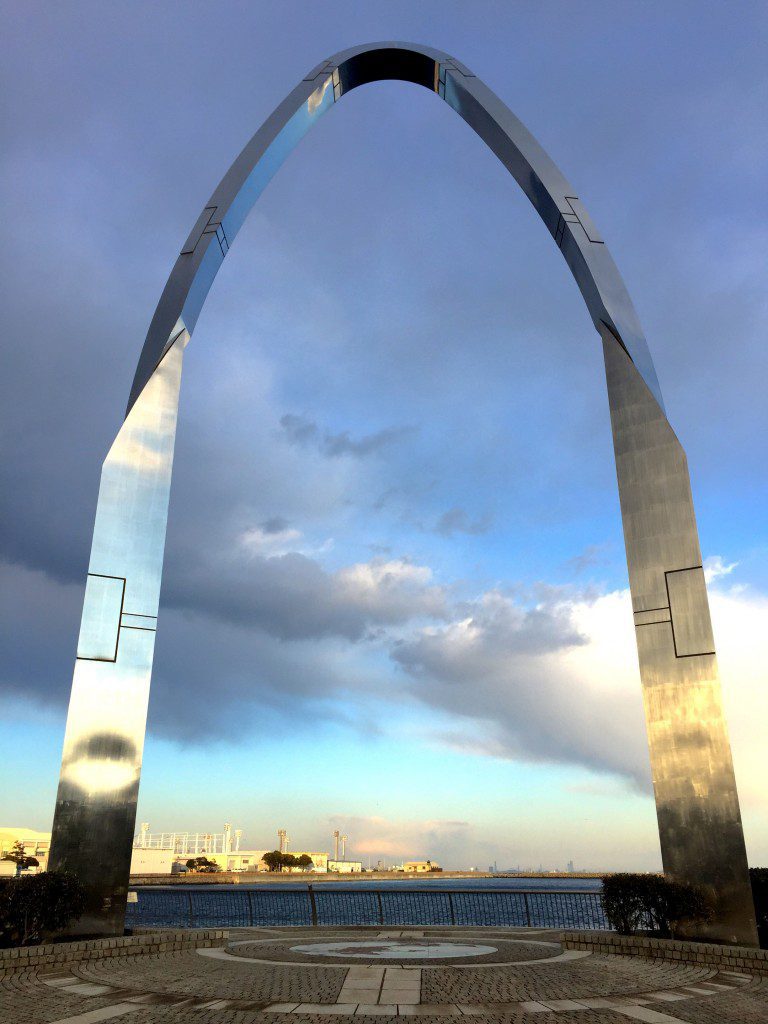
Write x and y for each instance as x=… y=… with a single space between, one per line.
x=385 y=610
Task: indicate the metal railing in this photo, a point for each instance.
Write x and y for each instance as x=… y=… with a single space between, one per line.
x=184 y=907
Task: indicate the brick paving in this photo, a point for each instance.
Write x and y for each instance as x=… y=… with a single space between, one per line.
x=185 y=987
x=25 y=1000
x=190 y=974
x=593 y=976
x=749 y=1006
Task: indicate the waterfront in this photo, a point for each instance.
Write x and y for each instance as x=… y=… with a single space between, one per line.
x=433 y=881
x=459 y=880
x=384 y=903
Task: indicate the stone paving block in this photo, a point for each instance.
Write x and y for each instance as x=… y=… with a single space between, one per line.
x=339 y=1009
x=84 y=988
x=428 y=1010
x=400 y=996
x=649 y=1016
x=666 y=997
x=95 y=1016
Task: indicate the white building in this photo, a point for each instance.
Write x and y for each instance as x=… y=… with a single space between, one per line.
x=346 y=867
x=152 y=861
x=157 y=853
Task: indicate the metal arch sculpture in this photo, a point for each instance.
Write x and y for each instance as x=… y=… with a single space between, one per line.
x=697 y=804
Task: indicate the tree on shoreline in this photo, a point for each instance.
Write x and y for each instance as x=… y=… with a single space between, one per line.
x=202 y=864
x=277 y=861
x=20 y=858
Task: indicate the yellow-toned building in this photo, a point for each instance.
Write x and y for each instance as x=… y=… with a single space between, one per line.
x=36 y=844
x=252 y=860
x=420 y=867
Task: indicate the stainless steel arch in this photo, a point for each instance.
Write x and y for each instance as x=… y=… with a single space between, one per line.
x=697 y=804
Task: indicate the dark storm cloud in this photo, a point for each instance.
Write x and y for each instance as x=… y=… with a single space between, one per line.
x=275 y=525
x=457 y=520
x=299 y=430
x=263 y=685
x=495 y=666
x=591 y=557
x=392 y=273
x=292 y=597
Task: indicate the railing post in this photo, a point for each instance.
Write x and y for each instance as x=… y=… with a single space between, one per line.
x=450 y=905
x=191 y=911
x=381 y=907
x=250 y=907
x=313 y=905
x=527 y=910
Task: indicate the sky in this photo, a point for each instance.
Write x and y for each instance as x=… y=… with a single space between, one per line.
x=395 y=593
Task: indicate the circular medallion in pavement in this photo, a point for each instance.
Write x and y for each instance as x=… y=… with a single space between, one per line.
x=396 y=949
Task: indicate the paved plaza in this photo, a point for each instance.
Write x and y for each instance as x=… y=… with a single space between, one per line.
x=298 y=976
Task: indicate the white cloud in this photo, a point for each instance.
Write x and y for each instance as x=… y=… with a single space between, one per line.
x=559 y=683
x=405 y=839
x=268 y=542
x=543 y=683
x=715 y=567
x=391 y=591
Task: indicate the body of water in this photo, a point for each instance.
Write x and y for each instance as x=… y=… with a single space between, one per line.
x=503 y=902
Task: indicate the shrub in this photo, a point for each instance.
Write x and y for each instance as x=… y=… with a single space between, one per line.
x=625 y=902
x=202 y=864
x=32 y=905
x=651 y=903
x=759 y=879
x=676 y=903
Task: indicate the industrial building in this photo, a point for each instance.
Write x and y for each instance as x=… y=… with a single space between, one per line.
x=420 y=867
x=345 y=867
x=162 y=853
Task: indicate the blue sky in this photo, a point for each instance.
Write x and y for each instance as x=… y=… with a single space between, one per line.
x=395 y=591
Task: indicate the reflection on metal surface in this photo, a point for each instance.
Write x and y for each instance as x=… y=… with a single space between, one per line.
x=696 y=800
x=699 y=821
x=101 y=764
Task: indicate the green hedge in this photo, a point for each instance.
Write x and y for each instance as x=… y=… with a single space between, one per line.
x=34 y=905
x=652 y=903
x=759 y=879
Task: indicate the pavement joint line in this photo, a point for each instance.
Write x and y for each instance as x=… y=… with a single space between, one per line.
x=381 y=987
